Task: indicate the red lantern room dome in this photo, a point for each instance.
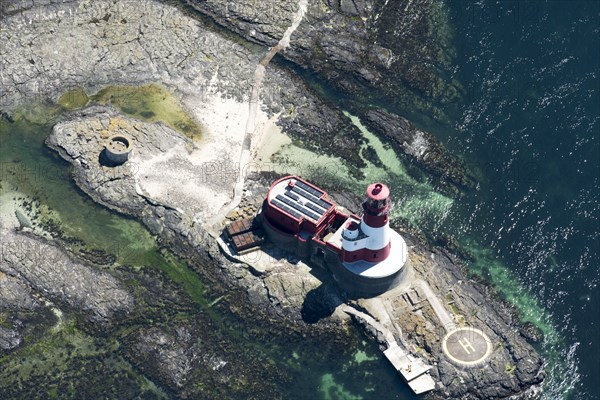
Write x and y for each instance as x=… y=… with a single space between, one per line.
x=377 y=205
x=378 y=191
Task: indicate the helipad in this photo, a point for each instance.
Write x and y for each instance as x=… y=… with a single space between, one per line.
x=467 y=346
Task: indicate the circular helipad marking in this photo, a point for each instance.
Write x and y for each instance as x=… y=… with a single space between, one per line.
x=467 y=346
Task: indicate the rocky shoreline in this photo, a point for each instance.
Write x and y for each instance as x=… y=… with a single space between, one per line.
x=201 y=66
x=127 y=45
x=355 y=45
x=281 y=293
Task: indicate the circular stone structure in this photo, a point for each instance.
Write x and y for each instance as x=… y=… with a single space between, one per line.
x=117 y=148
x=466 y=347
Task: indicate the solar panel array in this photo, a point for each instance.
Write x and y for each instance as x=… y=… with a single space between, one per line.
x=286 y=208
x=302 y=200
x=292 y=195
x=324 y=204
x=312 y=197
x=300 y=208
x=309 y=189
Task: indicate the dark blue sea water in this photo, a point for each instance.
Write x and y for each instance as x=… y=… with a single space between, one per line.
x=529 y=123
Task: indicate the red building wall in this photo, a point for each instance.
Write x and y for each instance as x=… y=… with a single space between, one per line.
x=366 y=254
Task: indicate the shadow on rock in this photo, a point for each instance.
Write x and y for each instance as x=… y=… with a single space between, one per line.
x=320 y=303
x=105 y=161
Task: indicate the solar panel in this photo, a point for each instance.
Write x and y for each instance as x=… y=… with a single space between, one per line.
x=321 y=203
x=314 y=192
x=286 y=208
x=300 y=184
x=315 y=208
x=294 y=213
x=293 y=210
x=297 y=206
x=324 y=204
x=285 y=201
x=292 y=195
x=305 y=194
x=312 y=215
x=279 y=204
x=309 y=189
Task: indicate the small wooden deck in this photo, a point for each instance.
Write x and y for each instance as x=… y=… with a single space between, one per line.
x=244 y=235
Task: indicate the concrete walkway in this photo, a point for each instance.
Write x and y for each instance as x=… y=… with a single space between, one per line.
x=388 y=336
x=440 y=311
x=259 y=75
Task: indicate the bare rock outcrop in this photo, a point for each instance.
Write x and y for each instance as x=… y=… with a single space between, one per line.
x=15 y=294
x=52 y=272
x=421 y=149
x=392 y=47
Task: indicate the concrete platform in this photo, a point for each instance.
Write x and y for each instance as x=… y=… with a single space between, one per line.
x=467 y=346
x=440 y=311
x=422 y=384
x=413 y=370
x=388 y=267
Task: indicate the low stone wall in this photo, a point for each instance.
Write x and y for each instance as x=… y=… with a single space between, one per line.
x=277 y=237
x=359 y=286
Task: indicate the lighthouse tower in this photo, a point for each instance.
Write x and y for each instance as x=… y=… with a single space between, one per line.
x=373 y=255
x=375 y=223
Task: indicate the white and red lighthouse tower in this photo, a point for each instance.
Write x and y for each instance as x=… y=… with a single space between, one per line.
x=370 y=249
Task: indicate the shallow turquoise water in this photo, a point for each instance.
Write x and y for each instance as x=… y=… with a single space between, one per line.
x=35 y=172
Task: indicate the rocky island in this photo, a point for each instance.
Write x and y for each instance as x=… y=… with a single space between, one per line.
x=217 y=61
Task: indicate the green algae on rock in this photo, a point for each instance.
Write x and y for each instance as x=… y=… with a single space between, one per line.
x=74 y=99
x=150 y=103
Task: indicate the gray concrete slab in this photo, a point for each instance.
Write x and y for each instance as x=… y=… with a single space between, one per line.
x=422 y=384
